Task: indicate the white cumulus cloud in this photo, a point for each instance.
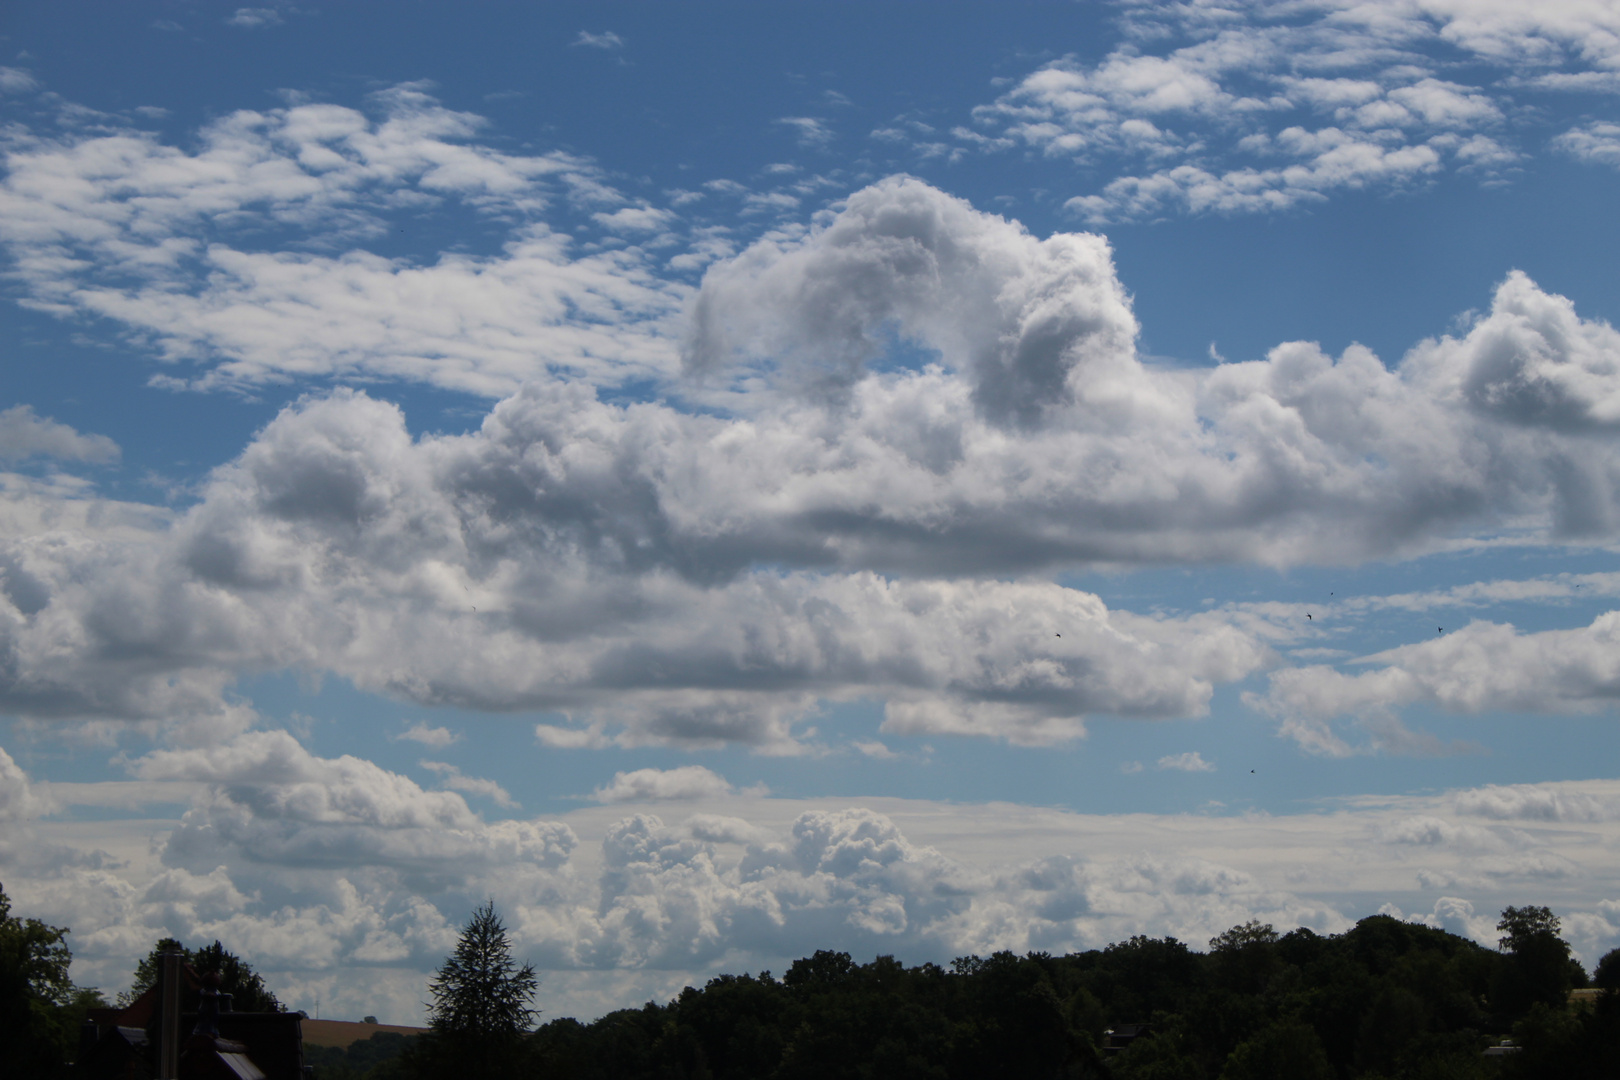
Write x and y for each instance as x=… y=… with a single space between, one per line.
x=436 y=737
x=1479 y=667
x=23 y=434
x=657 y=785
x=841 y=529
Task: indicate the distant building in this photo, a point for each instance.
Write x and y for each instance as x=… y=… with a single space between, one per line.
x=1117 y=1039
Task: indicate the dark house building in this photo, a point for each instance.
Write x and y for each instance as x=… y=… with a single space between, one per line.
x=183 y=1028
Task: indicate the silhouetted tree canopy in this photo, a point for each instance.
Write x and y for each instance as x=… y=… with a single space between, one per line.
x=40 y=1008
x=34 y=991
x=237 y=977
x=381 y=1057
x=1539 y=967
x=1386 y=1000
x=1522 y=927
x=1607 y=972
x=480 y=1006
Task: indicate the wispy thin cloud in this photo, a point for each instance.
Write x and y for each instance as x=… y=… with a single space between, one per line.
x=607 y=39
x=255 y=18
x=453 y=779
x=810 y=131
x=16 y=81
x=1191 y=761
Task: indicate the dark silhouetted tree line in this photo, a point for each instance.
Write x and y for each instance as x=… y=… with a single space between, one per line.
x=1386 y=1000
x=384 y=1056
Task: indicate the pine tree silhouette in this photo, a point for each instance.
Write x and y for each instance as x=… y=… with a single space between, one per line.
x=480 y=1010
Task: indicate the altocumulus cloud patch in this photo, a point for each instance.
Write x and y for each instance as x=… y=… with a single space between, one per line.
x=1260 y=107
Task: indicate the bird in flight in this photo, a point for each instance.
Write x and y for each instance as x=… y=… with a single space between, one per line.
x=1308 y=616
x=1439 y=629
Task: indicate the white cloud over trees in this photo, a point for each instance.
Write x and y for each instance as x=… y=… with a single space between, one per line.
x=334 y=870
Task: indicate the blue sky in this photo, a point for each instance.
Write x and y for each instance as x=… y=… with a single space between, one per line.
x=727 y=480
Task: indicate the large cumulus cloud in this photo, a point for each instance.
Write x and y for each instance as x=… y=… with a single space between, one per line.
x=1300 y=457
x=503 y=571
x=272 y=801
x=1034 y=325
x=492 y=572
x=704 y=576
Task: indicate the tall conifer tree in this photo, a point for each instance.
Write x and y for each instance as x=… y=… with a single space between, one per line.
x=480 y=1010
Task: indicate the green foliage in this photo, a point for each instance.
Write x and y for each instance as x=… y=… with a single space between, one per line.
x=377 y=1058
x=480 y=991
x=1288 y=1048
x=1387 y=1000
x=1253 y=932
x=246 y=987
x=36 y=954
x=237 y=978
x=1569 y=1044
x=146 y=972
x=36 y=995
x=1539 y=967
x=1607 y=973
x=1566 y=1044
x=1520 y=927
x=1162 y=1056
x=480 y=1008
x=72 y=1015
